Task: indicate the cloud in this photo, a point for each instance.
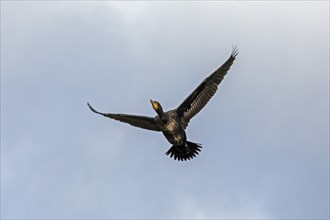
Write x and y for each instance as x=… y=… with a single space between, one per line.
x=265 y=134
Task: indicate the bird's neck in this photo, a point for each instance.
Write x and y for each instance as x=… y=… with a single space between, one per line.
x=160 y=112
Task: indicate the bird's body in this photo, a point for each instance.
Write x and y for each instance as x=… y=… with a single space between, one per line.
x=171 y=127
x=174 y=122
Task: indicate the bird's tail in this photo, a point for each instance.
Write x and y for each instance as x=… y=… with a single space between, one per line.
x=184 y=152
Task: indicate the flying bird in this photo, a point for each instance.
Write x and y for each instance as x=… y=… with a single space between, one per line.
x=174 y=122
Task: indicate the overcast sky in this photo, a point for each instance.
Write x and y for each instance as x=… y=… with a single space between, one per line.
x=265 y=134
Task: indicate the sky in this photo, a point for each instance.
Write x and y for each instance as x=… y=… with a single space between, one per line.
x=265 y=134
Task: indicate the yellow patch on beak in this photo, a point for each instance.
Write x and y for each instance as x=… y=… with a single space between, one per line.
x=155 y=105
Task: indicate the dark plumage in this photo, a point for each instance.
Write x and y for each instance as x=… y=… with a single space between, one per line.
x=174 y=122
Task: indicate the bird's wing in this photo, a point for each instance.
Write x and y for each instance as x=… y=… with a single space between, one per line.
x=134 y=120
x=204 y=92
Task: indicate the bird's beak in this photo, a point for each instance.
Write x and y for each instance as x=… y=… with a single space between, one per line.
x=154 y=104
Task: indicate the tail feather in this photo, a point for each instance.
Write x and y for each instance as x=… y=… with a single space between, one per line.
x=182 y=153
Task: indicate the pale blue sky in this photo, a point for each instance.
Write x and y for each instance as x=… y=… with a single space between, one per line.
x=265 y=134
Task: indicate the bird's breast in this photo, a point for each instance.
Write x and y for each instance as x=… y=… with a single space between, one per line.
x=174 y=133
x=171 y=126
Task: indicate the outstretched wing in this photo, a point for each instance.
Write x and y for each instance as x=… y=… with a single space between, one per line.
x=134 y=120
x=204 y=92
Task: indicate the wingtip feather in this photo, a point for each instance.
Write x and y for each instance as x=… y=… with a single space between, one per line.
x=234 y=52
x=93 y=110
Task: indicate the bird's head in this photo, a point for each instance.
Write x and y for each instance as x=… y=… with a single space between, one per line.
x=157 y=107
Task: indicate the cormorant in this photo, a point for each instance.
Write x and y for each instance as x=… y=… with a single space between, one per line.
x=174 y=122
